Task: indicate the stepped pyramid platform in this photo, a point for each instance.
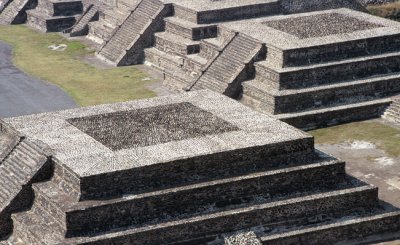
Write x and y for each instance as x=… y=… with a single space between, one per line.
x=324 y=67
x=54 y=15
x=194 y=168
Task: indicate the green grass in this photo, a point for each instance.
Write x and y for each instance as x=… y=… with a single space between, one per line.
x=86 y=84
x=383 y=136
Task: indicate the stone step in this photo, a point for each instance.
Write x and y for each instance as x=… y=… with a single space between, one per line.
x=99 y=32
x=53 y=8
x=330 y=116
x=276 y=214
x=178 y=71
x=196 y=170
x=121 y=49
x=14 y=13
x=216 y=13
x=330 y=72
x=215 y=195
x=113 y=17
x=352 y=231
x=162 y=60
x=44 y=23
x=290 y=101
x=198 y=59
x=189 y=29
x=171 y=43
x=81 y=28
x=390 y=116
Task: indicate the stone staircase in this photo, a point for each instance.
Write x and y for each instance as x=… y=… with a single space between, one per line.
x=15 y=11
x=392 y=113
x=81 y=27
x=189 y=52
x=125 y=47
x=231 y=67
x=22 y=162
x=185 y=50
x=328 y=86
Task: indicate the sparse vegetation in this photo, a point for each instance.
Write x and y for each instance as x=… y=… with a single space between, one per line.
x=87 y=84
x=383 y=136
x=387 y=10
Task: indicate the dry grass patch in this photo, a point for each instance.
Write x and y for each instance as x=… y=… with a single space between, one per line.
x=383 y=136
x=387 y=10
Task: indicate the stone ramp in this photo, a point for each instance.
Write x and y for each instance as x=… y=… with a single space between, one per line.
x=228 y=70
x=14 y=12
x=126 y=45
x=81 y=26
x=392 y=113
x=24 y=164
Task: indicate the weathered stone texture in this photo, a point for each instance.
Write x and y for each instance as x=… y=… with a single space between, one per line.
x=219 y=168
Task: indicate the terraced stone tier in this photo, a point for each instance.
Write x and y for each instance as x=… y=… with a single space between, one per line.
x=292 y=101
x=206 y=11
x=350 y=34
x=192 y=149
x=334 y=115
x=355 y=230
x=60 y=7
x=189 y=29
x=45 y=23
x=206 y=197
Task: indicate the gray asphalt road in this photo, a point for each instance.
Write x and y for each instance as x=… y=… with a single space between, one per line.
x=21 y=94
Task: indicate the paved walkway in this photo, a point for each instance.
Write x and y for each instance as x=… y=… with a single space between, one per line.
x=21 y=94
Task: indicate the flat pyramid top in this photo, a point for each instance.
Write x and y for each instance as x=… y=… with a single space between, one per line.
x=112 y=137
x=207 y=5
x=315 y=28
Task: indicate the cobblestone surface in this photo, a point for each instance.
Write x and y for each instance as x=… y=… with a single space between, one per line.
x=150 y=126
x=321 y=25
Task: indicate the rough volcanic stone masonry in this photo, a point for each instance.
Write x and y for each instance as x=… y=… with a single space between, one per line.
x=151 y=126
x=320 y=25
x=309 y=63
x=200 y=168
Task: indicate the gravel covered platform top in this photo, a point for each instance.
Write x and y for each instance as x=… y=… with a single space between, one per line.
x=112 y=137
x=206 y=5
x=315 y=28
x=321 y=25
